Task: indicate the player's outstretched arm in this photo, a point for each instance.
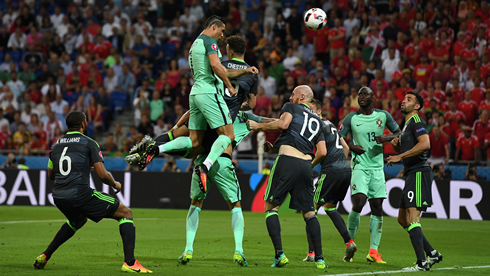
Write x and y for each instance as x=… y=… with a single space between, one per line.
x=321 y=152
x=423 y=144
x=233 y=74
x=106 y=177
x=278 y=125
x=249 y=104
x=387 y=138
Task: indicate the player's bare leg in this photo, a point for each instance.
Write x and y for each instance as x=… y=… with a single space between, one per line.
x=65 y=233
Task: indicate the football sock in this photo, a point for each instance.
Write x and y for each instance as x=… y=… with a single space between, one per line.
x=353 y=223
x=164 y=138
x=274 y=228
x=339 y=223
x=316 y=236
x=417 y=238
x=128 y=235
x=65 y=233
x=429 y=250
x=376 y=229
x=311 y=247
x=219 y=146
x=191 y=226
x=238 y=225
x=179 y=144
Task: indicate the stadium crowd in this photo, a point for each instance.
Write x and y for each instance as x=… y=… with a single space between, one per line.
x=101 y=56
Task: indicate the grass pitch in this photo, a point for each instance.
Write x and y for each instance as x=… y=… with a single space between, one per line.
x=96 y=249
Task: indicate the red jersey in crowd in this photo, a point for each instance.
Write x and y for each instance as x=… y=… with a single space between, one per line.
x=401 y=92
x=481 y=129
x=487 y=140
x=485 y=70
x=426 y=44
x=422 y=73
x=478 y=94
x=458 y=95
x=441 y=95
x=437 y=149
x=103 y=49
x=322 y=40
x=484 y=105
x=467 y=146
x=441 y=52
x=453 y=120
x=470 y=110
x=338 y=43
x=467 y=54
x=458 y=47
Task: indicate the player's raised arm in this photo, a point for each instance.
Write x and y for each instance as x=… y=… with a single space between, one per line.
x=233 y=73
x=221 y=72
x=251 y=100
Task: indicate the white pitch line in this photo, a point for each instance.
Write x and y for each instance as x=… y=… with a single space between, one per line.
x=403 y=271
x=58 y=220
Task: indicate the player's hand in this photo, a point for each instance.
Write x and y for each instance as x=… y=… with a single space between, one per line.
x=253 y=70
x=357 y=149
x=268 y=147
x=117 y=187
x=393 y=159
x=252 y=125
x=395 y=141
x=382 y=139
x=232 y=91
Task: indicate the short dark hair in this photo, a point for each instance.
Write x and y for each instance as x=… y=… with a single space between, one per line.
x=237 y=44
x=419 y=98
x=214 y=19
x=318 y=104
x=74 y=120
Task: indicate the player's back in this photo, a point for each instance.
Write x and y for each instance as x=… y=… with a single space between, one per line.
x=304 y=131
x=364 y=129
x=244 y=85
x=70 y=159
x=335 y=159
x=205 y=79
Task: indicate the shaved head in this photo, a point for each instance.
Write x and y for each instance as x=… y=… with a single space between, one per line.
x=306 y=91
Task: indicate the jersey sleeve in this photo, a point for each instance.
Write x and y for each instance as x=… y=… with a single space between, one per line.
x=288 y=107
x=95 y=153
x=390 y=122
x=420 y=129
x=211 y=46
x=345 y=127
x=459 y=142
x=253 y=117
x=255 y=82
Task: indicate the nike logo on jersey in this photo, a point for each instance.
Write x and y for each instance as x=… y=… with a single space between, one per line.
x=359 y=125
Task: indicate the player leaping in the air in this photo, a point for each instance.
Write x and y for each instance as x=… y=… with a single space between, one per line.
x=413 y=144
x=332 y=184
x=368 y=179
x=207 y=106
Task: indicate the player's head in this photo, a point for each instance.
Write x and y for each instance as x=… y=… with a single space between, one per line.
x=413 y=101
x=235 y=47
x=215 y=25
x=365 y=97
x=316 y=106
x=301 y=94
x=77 y=121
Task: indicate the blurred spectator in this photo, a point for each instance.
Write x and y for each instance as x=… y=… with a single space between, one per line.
x=438 y=170
x=472 y=173
x=37 y=146
x=157 y=107
x=51 y=125
x=267 y=82
x=94 y=113
x=485 y=105
x=182 y=94
x=263 y=102
x=10 y=162
x=439 y=151
x=126 y=81
x=178 y=113
x=290 y=60
x=58 y=104
x=110 y=81
x=145 y=125
x=468 y=146
x=453 y=116
x=19 y=136
x=170 y=166
x=25 y=116
x=141 y=106
x=119 y=137
x=160 y=127
x=469 y=108
x=109 y=146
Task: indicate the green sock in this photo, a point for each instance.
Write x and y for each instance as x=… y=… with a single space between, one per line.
x=219 y=146
x=376 y=229
x=353 y=223
x=178 y=144
x=238 y=225
x=191 y=226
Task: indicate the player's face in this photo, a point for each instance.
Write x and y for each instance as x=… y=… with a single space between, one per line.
x=408 y=104
x=365 y=99
x=219 y=32
x=295 y=97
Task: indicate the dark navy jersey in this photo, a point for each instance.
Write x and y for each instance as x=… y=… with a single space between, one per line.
x=413 y=129
x=244 y=85
x=304 y=131
x=70 y=159
x=335 y=159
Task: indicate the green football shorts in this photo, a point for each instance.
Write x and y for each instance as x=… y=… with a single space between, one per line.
x=369 y=182
x=209 y=108
x=222 y=174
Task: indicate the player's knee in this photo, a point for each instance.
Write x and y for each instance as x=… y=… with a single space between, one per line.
x=231 y=136
x=127 y=213
x=195 y=143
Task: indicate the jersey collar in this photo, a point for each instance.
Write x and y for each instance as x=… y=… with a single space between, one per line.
x=73 y=132
x=411 y=118
x=237 y=59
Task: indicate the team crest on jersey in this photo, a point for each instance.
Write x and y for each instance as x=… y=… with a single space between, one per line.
x=341 y=126
x=379 y=123
x=214 y=46
x=354 y=187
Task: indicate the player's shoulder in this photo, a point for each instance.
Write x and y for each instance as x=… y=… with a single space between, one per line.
x=351 y=115
x=381 y=111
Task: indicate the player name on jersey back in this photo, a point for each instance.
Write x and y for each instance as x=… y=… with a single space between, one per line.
x=69 y=140
x=235 y=66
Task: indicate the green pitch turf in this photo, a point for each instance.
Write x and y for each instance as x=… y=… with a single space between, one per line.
x=96 y=249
